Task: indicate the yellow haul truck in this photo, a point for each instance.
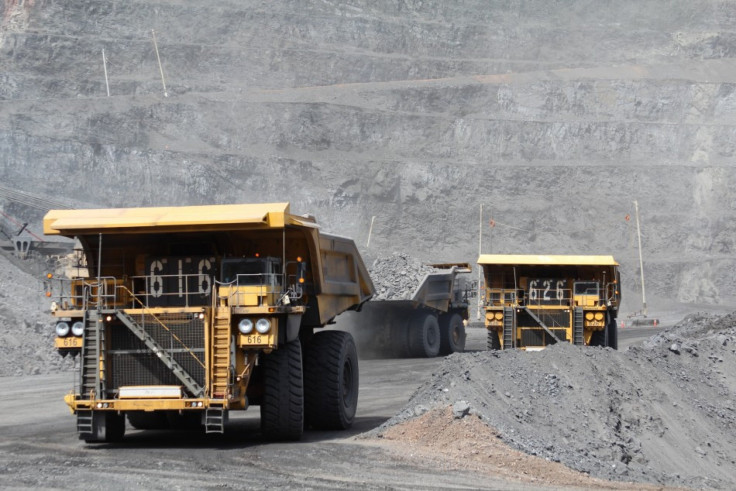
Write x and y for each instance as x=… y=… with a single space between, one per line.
x=534 y=301
x=190 y=312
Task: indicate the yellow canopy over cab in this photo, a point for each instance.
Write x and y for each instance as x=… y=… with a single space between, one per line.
x=171 y=219
x=548 y=260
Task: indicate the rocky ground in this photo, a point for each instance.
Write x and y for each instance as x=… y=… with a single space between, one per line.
x=661 y=413
x=26 y=328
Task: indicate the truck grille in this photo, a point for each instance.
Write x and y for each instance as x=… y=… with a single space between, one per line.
x=131 y=362
x=539 y=337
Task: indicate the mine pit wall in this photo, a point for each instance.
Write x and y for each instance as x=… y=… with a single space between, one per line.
x=559 y=158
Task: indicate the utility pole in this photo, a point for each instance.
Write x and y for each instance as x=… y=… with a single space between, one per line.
x=370 y=231
x=641 y=261
x=104 y=66
x=160 y=68
x=480 y=251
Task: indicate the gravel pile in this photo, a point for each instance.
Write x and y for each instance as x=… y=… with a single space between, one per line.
x=662 y=413
x=26 y=327
x=397 y=276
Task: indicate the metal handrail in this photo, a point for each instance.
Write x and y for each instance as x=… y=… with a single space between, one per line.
x=501 y=296
x=150 y=292
x=538 y=297
x=173 y=335
x=272 y=286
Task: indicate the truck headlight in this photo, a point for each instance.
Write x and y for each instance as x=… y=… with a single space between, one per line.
x=78 y=329
x=62 y=329
x=599 y=316
x=263 y=325
x=245 y=326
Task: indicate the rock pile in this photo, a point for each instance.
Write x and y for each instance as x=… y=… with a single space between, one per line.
x=662 y=413
x=26 y=328
x=397 y=276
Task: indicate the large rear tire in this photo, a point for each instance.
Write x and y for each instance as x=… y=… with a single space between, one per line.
x=114 y=427
x=452 y=334
x=424 y=336
x=331 y=381
x=492 y=342
x=612 y=328
x=282 y=406
x=107 y=427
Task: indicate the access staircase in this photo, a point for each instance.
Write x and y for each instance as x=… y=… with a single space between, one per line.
x=93 y=356
x=221 y=354
x=508 y=327
x=577 y=327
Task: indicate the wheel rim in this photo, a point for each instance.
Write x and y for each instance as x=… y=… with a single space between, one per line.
x=455 y=334
x=431 y=337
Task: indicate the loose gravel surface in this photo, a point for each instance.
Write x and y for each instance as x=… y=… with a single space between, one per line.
x=661 y=413
x=658 y=413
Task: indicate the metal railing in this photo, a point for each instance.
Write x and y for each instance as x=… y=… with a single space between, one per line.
x=184 y=290
x=263 y=286
x=539 y=297
x=500 y=297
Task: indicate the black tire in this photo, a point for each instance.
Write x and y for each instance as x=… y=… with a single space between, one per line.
x=612 y=328
x=424 y=336
x=282 y=406
x=452 y=334
x=598 y=338
x=114 y=427
x=493 y=343
x=109 y=427
x=331 y=380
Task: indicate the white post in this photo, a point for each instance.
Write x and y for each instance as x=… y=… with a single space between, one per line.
x=370 y=231
x=104 y=66
x=641 y=261
x=480 y=251
x=160 y=68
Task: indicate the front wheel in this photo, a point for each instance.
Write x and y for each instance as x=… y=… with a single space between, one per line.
x=282 y=407
x=492 y=342
x=612 y=331
x=331 y=381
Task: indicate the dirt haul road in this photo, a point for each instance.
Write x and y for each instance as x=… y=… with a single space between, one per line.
x=40 y=447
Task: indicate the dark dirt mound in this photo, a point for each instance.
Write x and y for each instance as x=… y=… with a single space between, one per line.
x=662 y=413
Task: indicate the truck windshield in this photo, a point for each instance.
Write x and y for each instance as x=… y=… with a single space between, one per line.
x=250 y=271
x=586 y=288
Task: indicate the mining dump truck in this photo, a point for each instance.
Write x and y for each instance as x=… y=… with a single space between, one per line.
x=534 y=301
x=190 y=312
x=428 y=322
